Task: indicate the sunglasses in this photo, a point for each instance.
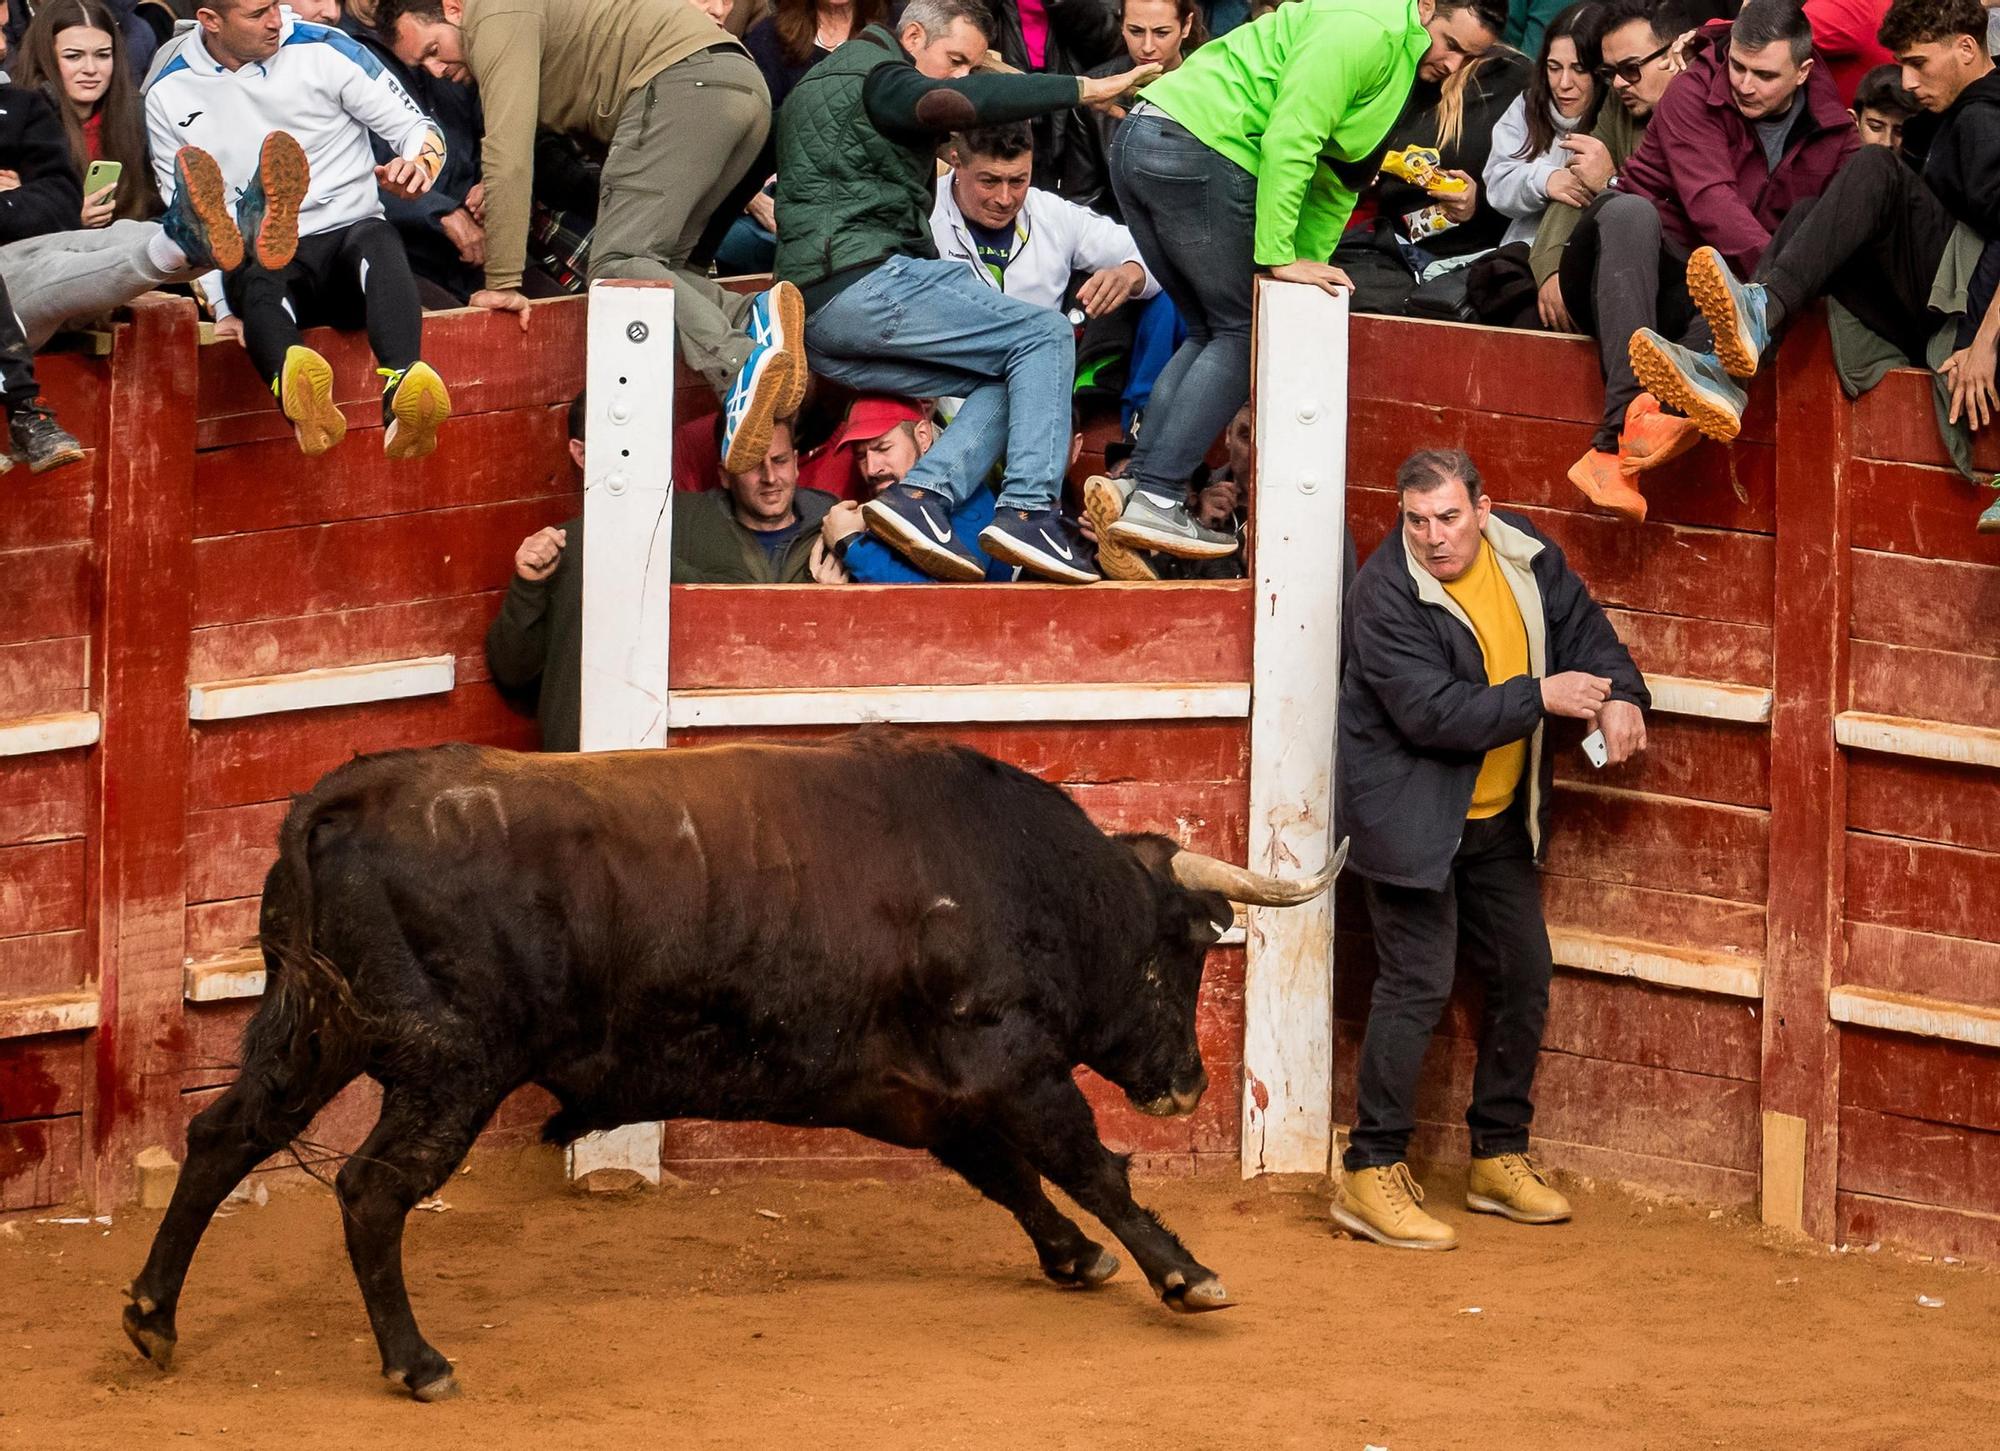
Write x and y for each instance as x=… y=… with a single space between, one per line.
x=1629 y=71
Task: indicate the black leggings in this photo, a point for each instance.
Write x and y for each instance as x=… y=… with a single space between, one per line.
x=343 y=278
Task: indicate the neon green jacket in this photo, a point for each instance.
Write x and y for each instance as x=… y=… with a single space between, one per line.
x=1312 y=86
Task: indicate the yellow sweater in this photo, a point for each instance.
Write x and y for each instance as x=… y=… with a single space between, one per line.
x=567 y=65
x=1483 y=594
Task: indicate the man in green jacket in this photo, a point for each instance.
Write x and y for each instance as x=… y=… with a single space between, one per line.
x=760 y=527
x=857 y=148
x=1247 y=159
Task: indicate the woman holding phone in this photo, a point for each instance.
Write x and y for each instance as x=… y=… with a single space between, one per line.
x=74 y=50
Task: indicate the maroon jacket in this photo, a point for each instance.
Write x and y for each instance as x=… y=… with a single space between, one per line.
x=1702 y=165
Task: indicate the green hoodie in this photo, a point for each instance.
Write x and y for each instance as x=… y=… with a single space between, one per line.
x=1297 y=99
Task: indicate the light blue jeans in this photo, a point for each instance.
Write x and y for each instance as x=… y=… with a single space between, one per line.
x=921 y=328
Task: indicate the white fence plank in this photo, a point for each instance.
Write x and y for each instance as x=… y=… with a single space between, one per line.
x=64 y=731
x=320 y=689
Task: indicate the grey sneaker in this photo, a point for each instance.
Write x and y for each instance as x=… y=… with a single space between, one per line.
x=39 y=439
x=1148 y=524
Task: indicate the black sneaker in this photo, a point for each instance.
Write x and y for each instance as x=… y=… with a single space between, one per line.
x=39 y=439
x=914 y=523
x=1041 y=541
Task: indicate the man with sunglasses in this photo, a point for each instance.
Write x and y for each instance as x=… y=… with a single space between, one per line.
x=1748 y=129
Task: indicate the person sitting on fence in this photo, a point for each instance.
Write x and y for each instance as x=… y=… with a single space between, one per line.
x=760 y=527
x=1915 y=258
x=1155 y=32
x=331 y=257
x=855 y=191
x=1245 y=161
x=74 y=53
x=1527 y=168
x=534 y=647
x=1882 y=108
x=888 y=436
x=680 y=110
x=1751 y=128
x=1443 y=772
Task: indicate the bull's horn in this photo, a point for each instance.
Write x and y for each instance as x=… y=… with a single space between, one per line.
x=1254 y=889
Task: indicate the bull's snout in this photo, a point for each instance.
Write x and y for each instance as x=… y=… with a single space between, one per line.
x=1180 y=1100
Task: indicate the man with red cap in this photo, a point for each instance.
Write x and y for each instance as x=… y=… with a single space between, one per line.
x=888 y=436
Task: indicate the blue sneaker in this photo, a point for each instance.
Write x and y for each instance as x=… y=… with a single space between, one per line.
x=1042 y=541
x=1735 y=312
x=754 y=402
x=199 y=221
x=1694 y=383
x=917 y=524
x=778 y=320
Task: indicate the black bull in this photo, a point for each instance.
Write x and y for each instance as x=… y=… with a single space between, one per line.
x=906 y=939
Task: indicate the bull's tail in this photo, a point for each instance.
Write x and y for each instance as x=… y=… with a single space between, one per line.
x=310 y=1036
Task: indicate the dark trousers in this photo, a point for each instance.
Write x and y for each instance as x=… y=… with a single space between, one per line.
x=1489 y=916
x=1872 y=241
x=1618 y=275
x=344 y=278
x=18 y=387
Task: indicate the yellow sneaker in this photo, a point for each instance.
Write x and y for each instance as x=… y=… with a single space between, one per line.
x=1511 y=1185
x=1384 y=1204
x=417 y=406
x=305 y=394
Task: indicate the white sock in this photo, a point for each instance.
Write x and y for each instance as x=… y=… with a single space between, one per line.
x=163 y=254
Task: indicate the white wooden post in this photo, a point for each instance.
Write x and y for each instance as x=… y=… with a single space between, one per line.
x=1300 y=396
x=627 y=531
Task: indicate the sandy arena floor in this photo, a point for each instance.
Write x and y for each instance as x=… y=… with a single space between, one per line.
x=912 y=1315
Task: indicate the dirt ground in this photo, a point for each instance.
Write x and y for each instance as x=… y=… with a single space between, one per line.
x=911 y=1314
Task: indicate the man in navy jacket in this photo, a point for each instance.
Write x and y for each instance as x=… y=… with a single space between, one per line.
x=1463 y=632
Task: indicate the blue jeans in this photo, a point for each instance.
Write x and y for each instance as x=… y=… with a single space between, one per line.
x=922 y=328
x=1193 y=213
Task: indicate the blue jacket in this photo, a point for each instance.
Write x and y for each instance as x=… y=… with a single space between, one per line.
x=871 y=561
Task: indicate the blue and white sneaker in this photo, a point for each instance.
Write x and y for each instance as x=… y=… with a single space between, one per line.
x=917 y=524
x=755 y=401
x=1735 y=312
x=777 y=320
x=1694 y=383
x=1041 y=541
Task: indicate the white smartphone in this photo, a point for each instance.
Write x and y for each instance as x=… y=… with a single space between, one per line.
x=1594 y=747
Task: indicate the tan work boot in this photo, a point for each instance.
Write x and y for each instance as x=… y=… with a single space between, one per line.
x=1511 y=1185
x=1382 y=1204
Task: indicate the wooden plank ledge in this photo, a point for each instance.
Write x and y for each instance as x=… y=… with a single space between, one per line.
x=1922 y=1017
x=1697 y=969
x=1710 y=699
x=30 y=735
x=71 y=1012
x=1931 y=740
x=319 y=689
x=225 y=977
x=955 y=704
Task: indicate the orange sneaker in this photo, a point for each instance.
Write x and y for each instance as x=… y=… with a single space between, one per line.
x=1653 y=436
x=1602 y=478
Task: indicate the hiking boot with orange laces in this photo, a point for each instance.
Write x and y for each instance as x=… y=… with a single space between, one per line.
x=1603 y=479
x=1653 y=436
x=1511 y=1185
x=1384 y=1204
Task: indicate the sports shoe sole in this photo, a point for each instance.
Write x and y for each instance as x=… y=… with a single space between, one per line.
x=56 y=460
x=768 y=390
x=1639 y=463
x=1664 y=381
x=208 y=199
x=419 y=409
x=1480 y=1204
x=284 y=174
x=1103 y=507
x=1708 y=284
x=1004 y=546
x=1622 y=508
x=1356 y=1225
x=1162 y=541
x=305 y=395
x=895 y=531
x=791 y=308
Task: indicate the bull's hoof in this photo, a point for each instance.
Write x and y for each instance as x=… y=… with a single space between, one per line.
x=444 y=1388
x=1192 y=1299
x=151 y=1332
x=1093 y=1267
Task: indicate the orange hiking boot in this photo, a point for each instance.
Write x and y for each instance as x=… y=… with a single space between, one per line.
x=1653 y=436
x=1603 y=479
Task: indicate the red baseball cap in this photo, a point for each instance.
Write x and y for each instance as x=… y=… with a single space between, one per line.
x=874 y=414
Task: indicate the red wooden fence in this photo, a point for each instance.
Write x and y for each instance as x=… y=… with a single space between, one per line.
x=1756 y=917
